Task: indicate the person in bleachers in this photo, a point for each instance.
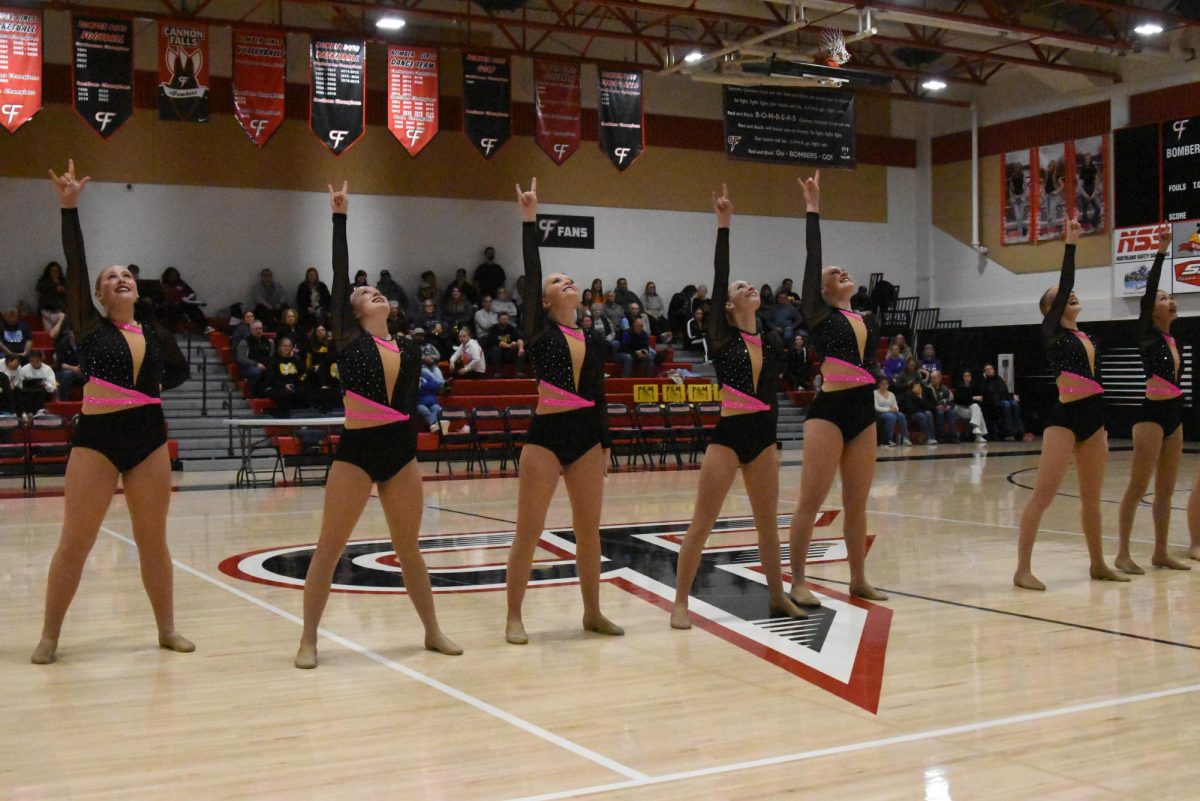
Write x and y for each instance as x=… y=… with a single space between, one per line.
x=435 y=329
x=930 y=363
x=431 y=384
x=429 y=351
x=604 y=328
x=283 y=381
x=894 y=363
x=656 y=310
x=360 y=280
x=785 y=317
x=52 y=297
x=905 y=350
x=10 y=383
x=909 y=376
x=66 y=358
x=253 y=354
x=635 y=350
x=469 y=291
x=289 y=326
x=1005 y=407
x=38 y=384
x=917 y=404
x=699 y=300
x=888 y=417
x=149 y=306
x=489 y=276
x=242 y=329
x=457 y=311
x=427 y=288
x=316 y=348
x=625 y=296
x=179 y=302
x=786 y=288
x=679 y=310
x=517 y=293
x=16 y=337
x=635 y=313
x=485 y=317
x=585 y=300
x=391 y=290
x=695 y=334
x=324 y=384
x=468 y=360
x=968 y=398
x=614 y=311
x=501 y=302
x=945 y=413
x=268 y=299
x=312 y=298
x=799 y=363
x=862 y=302
x=397 y=320
x=597 y=288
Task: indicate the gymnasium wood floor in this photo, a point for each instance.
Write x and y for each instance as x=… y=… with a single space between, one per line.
x=1086 y=691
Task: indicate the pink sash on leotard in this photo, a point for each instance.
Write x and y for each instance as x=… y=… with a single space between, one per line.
x=560 y=397
x=383 y=414
x=390 y=344
x=733 y=399
x=129 y=397
x=860 y=375
x=1090 y=387
x=574 y=333
x=1162 y=386
x=853 y=314
x=130 y=327
x=752 y=339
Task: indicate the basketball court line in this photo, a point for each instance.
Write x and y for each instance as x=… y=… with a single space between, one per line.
x=1011 y=478
x=429 y=681
x=865 y=745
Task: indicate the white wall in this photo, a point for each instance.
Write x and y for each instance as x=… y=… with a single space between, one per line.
x=220 y=238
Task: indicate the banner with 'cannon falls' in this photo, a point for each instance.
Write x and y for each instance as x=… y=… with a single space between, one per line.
x=413 y=95
x=20 y=66
x=259 y=81
x=183 y=71
x=102 y=71
x=337 y=113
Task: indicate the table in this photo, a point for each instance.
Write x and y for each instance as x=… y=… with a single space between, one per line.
x=247 y=443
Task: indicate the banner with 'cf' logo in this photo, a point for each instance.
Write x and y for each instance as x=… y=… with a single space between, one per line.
x=102 y=72
x=413 y=95
x=337 y=113
x=20 y=66
x=259 y=82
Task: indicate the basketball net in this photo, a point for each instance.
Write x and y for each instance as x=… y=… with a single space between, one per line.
x=833 y=46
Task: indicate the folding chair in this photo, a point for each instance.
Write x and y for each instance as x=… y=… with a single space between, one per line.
x=656 y=431
x=625 y=433
x=14 y=449
x=49 y=438
x=491 y=432
x=519 y=419
x=685 y=428
x=454 y=441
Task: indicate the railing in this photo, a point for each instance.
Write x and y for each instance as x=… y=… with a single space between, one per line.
x=229 y=408
x=203 y=384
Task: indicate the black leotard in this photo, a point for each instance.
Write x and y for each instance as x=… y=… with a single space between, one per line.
x=832 y=333
x=1154 y=345
x=1063 y=346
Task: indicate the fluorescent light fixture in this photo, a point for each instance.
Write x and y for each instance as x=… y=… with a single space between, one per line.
x=1148 y=29
x=693 y=57
x=389 y=23
x=934 y=85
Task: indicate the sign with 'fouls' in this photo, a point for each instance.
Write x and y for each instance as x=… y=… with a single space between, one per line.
x=566 y=231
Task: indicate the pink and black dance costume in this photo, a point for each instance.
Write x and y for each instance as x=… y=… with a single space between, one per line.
x=754 y=430
x=1156 y=348
x=1068 y=356
x=851 y=410
x=570 y=434
x=125 y=437
x=381 y=451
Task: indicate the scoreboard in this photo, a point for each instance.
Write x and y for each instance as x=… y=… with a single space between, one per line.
x=1181 y=169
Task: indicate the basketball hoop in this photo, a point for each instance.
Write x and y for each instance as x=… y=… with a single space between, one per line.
x=833 y=45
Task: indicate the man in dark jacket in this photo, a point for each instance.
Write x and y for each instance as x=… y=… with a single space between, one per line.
x=1001 y=405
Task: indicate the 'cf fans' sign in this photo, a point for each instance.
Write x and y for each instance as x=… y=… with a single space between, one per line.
x=565 y=231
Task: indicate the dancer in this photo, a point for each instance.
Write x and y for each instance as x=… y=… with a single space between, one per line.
x=569 y=433
x=121 y=434
x=1158 y=438
x=839 y=433
x=748 y=367
x=379 y=375
x=1075 y=424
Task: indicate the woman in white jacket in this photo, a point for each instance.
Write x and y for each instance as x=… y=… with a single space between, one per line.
x=888 y=417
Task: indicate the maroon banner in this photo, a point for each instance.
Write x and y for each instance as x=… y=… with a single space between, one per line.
x=413 y=95
x=183 y=71
x=20 y=66
x=259 y=81
x=559 y=125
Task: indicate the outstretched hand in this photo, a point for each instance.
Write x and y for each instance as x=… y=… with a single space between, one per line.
x=812 y=191
x=339 y=201
x=1072 y=230
x=723 y=206
x=528 y=201
x=67 y=187
x=1163 y=233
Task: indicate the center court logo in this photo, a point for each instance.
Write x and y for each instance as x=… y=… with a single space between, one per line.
x=839 y=647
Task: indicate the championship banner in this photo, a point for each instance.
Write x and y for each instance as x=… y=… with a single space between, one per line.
x=413 y=95
x=1017 y=204
x=1090 y=160
x=790 y=126
x=487 y=101
x=259 y=82
x=559 y=124
x=20 y=66
x=621 y=133
x=183 y=71
x=337 y=113
x=102 y=72
x=1054 y=200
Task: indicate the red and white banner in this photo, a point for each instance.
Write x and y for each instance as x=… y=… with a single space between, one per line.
x=558 y=124
x=259 y=81
x=183 y=81
x=20 y=66
x=413 y=95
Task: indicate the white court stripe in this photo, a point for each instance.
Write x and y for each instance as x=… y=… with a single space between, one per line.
x=429 y=681
x=866 y=745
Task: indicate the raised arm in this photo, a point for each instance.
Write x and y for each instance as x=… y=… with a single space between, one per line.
x=1052 y=322
x=341 y=318
x=532 y=314
x=812 y=306
x=81 y=312
x=717 y=323
x=1146 y=314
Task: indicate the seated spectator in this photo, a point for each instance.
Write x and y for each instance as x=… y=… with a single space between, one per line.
x=316 y=348
x=888 y=417
x=597 y=288
x=38 y=384
x=485 y=317
x=149 y=306
x=635 y=349
x=435 y=329
x=66 y=356
x=16 y=338
x=323 y=385
x=10 y=384
x=252 y=355
x=179 y=302
x=517 y=293
x=786 y=289
x=679 y=310
x=614 y=311
x=360 y=279
x=907 y=377
x=464 y=287
x=312 y=299
x=505 y=345
x=397 y=320
x=585 y=300
x=785 y=318
x=289 y=326
x=945 y=413
x=930 y=363
x=429 y=351
x=656 y=310
x=391 y=290
x=799 y=363
x=699 y=300
x=918 y=406
x=457 y=311
x=905 y=350
x=489 y=276
x=624 y=296
x=893 y=364
x=861 y=302
x=604 y=328
x=242 y=329
x=967 y=401
x=501 y=302
x=52 y=298
x=635 y=313
x=695 y=332
x=467 y=361
x=283 y=382
x=268 y=299
x=1003 y=404
x=430 y=386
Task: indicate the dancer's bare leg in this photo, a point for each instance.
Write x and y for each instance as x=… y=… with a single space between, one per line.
x=89 y=485
x=822 y=455
x=1058 y=444
x=1091 y=456
x=761 y=477
x=402 y=499
x=858 y=472
x=585 y=487
x=1164 y=490
x=1193 y=519
x=717 y=472
x=1147 y=445
x=148 y=497
x=346 y=493
x=539 y=477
